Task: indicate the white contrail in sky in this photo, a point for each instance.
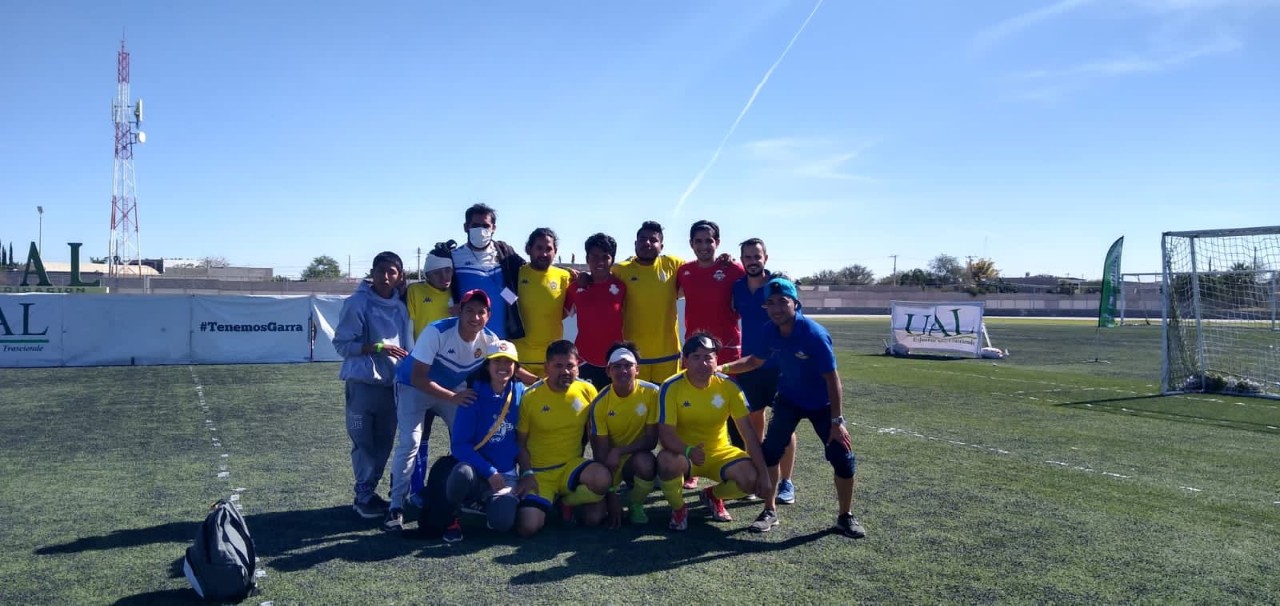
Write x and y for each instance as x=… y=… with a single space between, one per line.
x=755 y=93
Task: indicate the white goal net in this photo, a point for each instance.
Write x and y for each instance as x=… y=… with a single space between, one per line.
x=1220 y=311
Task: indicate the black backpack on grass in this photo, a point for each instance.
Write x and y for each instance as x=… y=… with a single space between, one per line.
x=221 y=563
x=436 y=511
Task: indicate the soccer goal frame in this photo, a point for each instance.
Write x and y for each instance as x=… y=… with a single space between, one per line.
x=1220 y=292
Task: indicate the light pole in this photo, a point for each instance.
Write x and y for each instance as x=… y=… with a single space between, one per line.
x=40 y=234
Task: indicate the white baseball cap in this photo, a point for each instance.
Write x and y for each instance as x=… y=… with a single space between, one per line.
x=501 y=349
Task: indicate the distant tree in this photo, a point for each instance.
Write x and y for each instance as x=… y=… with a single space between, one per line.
x=916 y=277
x=209 y=262
x=4 y=257
x=855 y=275
x=280 y=279
x=823 y=277
x=101 y=260
x=12 y=259
x=323 y=267
x=946 y=269
x=982 y=271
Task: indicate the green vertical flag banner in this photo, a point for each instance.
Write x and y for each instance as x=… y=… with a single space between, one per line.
x=1109 y=305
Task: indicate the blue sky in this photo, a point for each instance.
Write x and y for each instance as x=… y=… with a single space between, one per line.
x=1033 y=133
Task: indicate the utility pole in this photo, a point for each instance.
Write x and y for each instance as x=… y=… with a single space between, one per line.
x=348 y=266
x=895 y=269
x=419 y=262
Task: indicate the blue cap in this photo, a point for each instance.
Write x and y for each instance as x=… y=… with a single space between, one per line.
x=784 y=287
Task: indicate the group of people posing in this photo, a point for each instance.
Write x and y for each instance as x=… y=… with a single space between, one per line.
x=479 y=343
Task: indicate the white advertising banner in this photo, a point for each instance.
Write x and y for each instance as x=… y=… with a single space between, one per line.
x=937 y=328
x=249 y=329
x=325 y=310
x=114 y=330
x=31 y=329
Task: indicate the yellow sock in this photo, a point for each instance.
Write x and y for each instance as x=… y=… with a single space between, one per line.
x=639 y=490
x=581 y=496
x=727 y=490
x=674 y=492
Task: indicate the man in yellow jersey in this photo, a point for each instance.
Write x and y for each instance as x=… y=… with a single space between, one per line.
x=553 y=419
x=649 y=312
x=693 y=408
x=541 y=291
x=428 y=300
x=623 y=430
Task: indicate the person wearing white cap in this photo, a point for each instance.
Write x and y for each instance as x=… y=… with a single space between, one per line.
x=433 y=377
x=484 y=442
x=623 y=430
x=428 y=301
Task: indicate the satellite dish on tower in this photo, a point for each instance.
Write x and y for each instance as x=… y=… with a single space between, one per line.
x=142 y=137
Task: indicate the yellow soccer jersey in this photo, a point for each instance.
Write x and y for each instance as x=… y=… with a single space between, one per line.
x=426 y=305
x=541 y=302
x=699 y=415
x=623 y=419
x=555 y=422
x=649 y=311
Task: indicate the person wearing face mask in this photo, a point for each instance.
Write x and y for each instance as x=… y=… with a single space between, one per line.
x=372 y=334
x=492 y=266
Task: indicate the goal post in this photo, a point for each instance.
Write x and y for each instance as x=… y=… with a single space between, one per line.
x=1220 y=290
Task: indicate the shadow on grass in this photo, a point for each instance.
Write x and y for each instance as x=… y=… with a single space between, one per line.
x=294 y=540
x=1109 y=405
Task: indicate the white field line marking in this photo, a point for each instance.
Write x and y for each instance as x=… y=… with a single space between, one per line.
x=224 y=470
x=1075 y=387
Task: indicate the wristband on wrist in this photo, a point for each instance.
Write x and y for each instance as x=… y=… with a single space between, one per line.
x=378 y=348
x=687 y=450
x=526 y=473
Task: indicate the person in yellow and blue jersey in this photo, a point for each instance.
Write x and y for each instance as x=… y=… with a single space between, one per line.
x=428 y=301
x=541 y=291
x=649 y=311
x=694 y=407
x=623 y=431
x=553 y=421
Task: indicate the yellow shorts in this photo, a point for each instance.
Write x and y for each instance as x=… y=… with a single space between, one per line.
x=556 y=481
x=718 y=461
x=657 y=372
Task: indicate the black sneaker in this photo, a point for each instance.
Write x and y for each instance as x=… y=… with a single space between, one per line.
x=474 y=507
x=849 y=526
x=372 y=509
x=453 y=532
x=766 y=521
x=394 y=521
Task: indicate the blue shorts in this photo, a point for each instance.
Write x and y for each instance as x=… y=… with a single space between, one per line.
x=759 y=386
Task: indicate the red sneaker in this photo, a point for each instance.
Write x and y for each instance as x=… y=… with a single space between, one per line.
x=718 y=512
x=691 y=483
x=679 y=519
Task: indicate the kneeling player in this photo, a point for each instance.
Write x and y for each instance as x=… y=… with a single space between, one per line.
x=552 y=423
x=694 y=407
x=623 y=429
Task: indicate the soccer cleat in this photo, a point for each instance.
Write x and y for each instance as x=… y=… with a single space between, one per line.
x=636 y=515
x=849 y=526
x=716 y=506
x=766 y=521
x=691 y=483
x=751 y=499
x=394 y=520
x=372 y=509
x=453 y=532
x=679 y=519
x=787 y=492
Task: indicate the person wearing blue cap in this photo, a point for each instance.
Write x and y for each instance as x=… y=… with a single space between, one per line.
x=808 y=389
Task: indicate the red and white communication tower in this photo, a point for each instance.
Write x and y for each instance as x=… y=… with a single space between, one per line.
x=124 y=256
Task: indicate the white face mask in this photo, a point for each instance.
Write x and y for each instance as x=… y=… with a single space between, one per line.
x=479 y=237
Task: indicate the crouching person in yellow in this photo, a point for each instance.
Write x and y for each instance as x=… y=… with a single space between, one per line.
x=552 y=423
x=694 y=407
x=624 y=430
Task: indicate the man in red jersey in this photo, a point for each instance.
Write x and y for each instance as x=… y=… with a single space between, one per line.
x=597 y=300
x=707 y=284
